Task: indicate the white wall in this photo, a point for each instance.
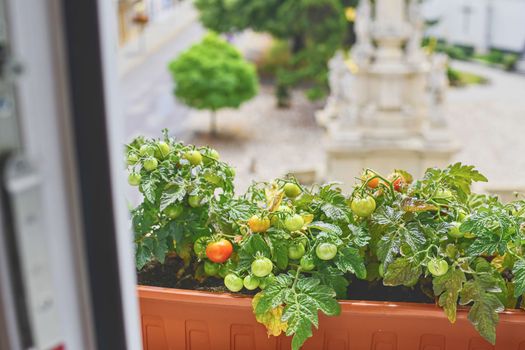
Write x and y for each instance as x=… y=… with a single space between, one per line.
x=509 y=24
x=483 y=24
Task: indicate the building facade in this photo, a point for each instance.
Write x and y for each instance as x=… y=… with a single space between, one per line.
x=480 y=24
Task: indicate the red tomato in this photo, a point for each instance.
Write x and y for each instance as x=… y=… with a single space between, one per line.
x=398 y=181
x=372 y=183
x=219 y=251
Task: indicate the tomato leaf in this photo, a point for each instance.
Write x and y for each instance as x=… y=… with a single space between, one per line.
x=447 y=287
x=484 y=312
x=360 y=236
x=335 y=212
x=148 y=187
x=413 y=236
x=402 y=272
x=387 y=216
x=519 y=277
x=387 y=249
x=333 y=278
x=272 y=318
x=326 y=227
x=160 y=250
x=279 y=248
x=349 y=260
x=274 y=295
x=175 y=193
x=302 y=305
x=251 y=247
x=142 y=255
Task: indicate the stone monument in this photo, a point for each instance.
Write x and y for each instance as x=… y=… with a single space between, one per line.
x=386 y=105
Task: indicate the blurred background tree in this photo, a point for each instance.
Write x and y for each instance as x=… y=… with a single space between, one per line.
x=312 y=30
x=213 y=75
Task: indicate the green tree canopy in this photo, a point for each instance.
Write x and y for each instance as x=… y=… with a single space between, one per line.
x=314 y=29
x=213 y=75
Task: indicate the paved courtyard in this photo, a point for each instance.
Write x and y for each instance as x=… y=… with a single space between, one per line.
x=489 y=122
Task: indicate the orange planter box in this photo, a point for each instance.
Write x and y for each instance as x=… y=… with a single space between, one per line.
x=174 y=319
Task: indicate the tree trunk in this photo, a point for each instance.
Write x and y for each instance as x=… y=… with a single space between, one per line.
x=213 y=122
x=297 y=43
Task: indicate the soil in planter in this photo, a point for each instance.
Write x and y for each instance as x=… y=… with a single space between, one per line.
x=172 y=274
x=376 y=291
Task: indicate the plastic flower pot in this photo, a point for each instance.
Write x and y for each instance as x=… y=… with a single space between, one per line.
x=174 y=319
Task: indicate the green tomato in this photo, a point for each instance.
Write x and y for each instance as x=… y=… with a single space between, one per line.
x=454 y=231
x=226 y=268
x=443 y=193
x=150 y=164
x=146 y=151
x=262 y=267
x=194 y=157
x=211 y=268
x=296 y=251
x=294 y=223
x=199 y=247
x=230 y=171
x=162 y=150
x=276 y=220
x=381 y=270
x=437 y=267
x=451 y=251
x=307 y=263
x=211 y=155
x=134 y=179
x=133 y=158
x=173 y=211
x=326 y=251
x=291 y=190
x=363 y=207
x=233 y=282
x=266 y=281
x=194 y=201
x=250 y=282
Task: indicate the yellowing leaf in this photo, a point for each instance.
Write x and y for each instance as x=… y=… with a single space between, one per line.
x=497 y=262
x=308 y=218
x=271 y=319
x=274 y=196
x=448 y=287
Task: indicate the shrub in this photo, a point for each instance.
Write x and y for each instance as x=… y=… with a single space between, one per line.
x=213 y=75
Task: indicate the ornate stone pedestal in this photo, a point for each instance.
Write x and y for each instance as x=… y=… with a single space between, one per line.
x=385 y=109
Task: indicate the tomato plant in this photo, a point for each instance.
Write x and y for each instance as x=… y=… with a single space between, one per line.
x=283 y=239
